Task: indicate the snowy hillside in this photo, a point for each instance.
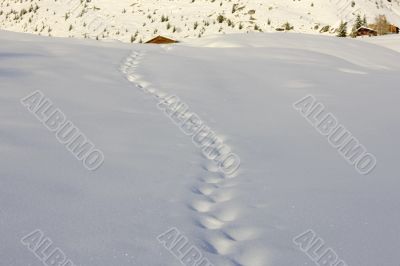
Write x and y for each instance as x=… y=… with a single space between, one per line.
x=136 y=21
x=389 y=41
x=155 y=177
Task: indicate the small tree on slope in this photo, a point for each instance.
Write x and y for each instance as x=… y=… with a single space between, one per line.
x=357 y=24
x=342 y=30
x=364 y=21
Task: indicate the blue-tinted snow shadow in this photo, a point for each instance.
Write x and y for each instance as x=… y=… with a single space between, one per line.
x=11 y=73
x=17 y=55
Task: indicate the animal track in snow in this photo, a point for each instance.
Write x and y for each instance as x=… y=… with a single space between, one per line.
x=204 y=189
x=213 y=200
x=209 y=222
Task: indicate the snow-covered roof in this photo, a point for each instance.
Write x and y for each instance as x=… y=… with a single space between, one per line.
x=366 y=28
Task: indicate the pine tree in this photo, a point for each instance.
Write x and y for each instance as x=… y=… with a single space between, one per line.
x=359 y=22
x=342 y=30
x=364 y=21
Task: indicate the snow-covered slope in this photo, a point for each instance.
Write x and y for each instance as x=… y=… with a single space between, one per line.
x=389 y=41
x=154 y=178
x=133 y=20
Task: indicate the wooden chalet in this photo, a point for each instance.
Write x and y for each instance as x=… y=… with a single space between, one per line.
x=394 y=29
x=364 y=31
x=161 y=40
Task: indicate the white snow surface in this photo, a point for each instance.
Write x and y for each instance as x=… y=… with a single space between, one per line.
x=388 y=41
x=243 y=87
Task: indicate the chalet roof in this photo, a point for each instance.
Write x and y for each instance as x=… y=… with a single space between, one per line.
x=365 y=28
x=161 y=40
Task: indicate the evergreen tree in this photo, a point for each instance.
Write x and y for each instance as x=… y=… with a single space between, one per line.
x=359 y=22
x=342 y=30
x=364 y=21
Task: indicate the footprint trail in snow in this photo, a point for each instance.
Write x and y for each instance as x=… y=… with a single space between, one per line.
x=214 y=201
